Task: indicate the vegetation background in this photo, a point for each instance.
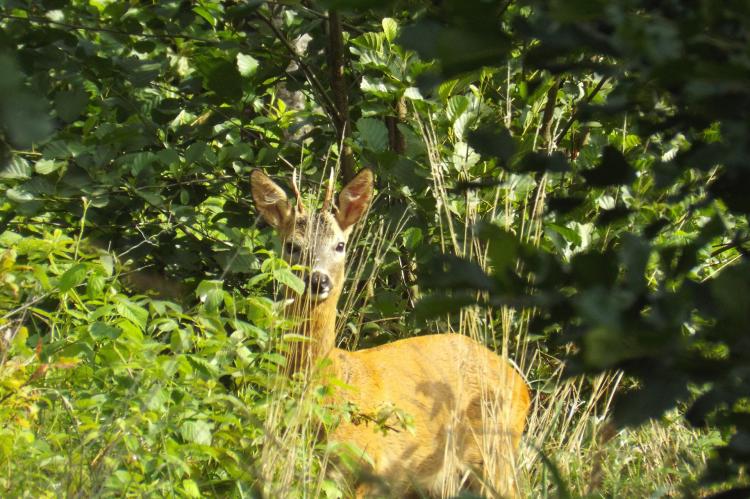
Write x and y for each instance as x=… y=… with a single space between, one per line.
x=565 y=180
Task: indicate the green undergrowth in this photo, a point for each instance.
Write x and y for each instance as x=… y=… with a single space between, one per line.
x=105 y=392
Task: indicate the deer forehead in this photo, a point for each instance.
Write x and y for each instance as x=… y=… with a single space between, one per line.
x=312 y=229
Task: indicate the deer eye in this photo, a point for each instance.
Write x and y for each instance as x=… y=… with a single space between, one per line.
x=340 y=247
x=292 y=249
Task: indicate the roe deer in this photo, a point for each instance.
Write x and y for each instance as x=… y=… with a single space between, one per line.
x=458 y=393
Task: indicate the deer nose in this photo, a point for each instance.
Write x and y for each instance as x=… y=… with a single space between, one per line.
x=319 y=284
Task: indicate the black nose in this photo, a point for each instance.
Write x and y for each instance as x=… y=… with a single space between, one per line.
x=319 y=283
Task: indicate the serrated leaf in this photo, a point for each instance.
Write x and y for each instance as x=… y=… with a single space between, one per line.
x=247 y=64
x=373 y=133
x=95 y=285
x=195 y=152
x=16 y=169
x=464 y=156
x=413 y=93
x=168 y=157
x=376 y=87
x=72 y=277
x=132 y=311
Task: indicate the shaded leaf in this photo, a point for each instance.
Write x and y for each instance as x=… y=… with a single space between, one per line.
x=72 y=277
x=612 y=170
x=70 y=104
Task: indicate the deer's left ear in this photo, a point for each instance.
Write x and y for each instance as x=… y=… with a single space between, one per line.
x=354 y=199
x=270 y=200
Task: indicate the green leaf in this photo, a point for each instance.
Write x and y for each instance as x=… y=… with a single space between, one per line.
x=132 y=311
x=70 y=104
x=16 y=169
x=191 y=488
x=19 y=195
x=390 y=28
x=95 y=285
x=286 y=277
x=568 y=234
x=198 y=432
x=211 y=294
x=100 y=330
x=493 y=141
x=205 y=14
x=195 y=152
x=222 y=77
x=373 y=133
x=247 y=64
x=412 y=238
x=73 y=277
x=47 y=166
x=23 y=115
x=612 y=170
x=458 y=50
x=377 y=87
x=107 y=263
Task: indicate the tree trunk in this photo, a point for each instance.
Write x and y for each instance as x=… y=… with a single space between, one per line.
x=336 y=64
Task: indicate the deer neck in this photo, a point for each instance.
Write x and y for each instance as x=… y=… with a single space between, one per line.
x=317 y=322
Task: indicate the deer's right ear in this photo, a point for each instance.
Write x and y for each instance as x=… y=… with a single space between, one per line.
x=270 y=200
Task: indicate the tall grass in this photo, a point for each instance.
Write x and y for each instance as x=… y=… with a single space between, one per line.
x=570 y=446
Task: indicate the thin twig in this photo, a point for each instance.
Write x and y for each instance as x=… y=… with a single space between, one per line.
x=317 y=86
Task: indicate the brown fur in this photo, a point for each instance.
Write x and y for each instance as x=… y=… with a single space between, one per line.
x=458 y=393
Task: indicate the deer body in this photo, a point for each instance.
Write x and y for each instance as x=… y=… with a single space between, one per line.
x=456 y=391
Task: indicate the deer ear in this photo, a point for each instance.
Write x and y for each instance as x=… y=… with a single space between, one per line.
x=354 y=199
x=270 y=200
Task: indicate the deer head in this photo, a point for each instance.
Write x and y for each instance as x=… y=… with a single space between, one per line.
x=315 y=240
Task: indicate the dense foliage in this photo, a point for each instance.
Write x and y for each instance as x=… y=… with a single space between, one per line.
x=580 y=163
x=659 y=167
